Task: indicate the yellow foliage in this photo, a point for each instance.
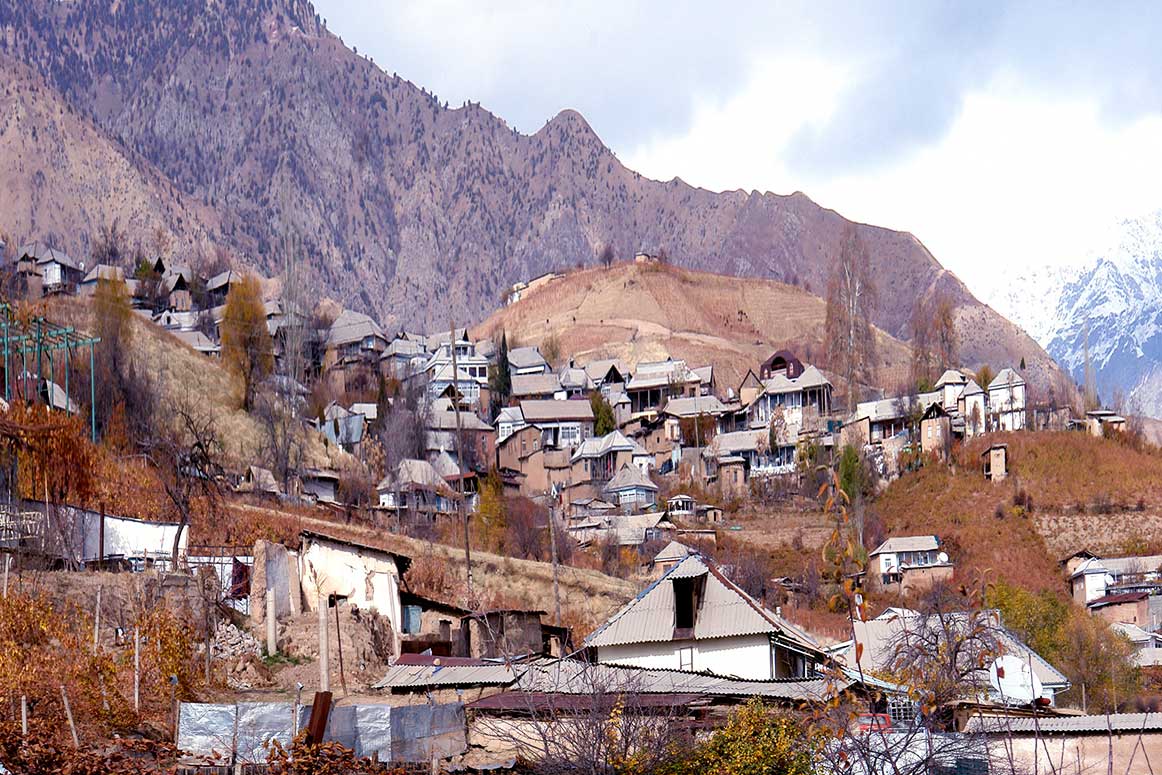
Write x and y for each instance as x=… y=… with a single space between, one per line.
x=247 y=349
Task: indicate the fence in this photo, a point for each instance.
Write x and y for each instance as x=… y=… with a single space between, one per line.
x=241 y=733
x=233 y=566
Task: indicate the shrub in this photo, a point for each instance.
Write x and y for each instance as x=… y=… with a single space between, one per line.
x=1023 y=500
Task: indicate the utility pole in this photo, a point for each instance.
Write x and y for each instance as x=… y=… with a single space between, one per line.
x=556 y=571
x=460 y=459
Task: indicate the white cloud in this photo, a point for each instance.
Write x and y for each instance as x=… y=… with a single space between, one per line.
x=1018 y=180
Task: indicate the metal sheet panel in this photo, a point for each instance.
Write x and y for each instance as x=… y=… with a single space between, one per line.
x=207 y=729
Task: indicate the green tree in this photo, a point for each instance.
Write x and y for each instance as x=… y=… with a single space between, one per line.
x=603 y=420
x=500 y=374
x=851 y=474
x=247 y=349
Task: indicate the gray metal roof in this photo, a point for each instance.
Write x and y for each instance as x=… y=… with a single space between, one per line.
x=630 y=477
x=693 y=406
x=565 y=676
x=908 y=544
x=535 y=384
x=725 y=611
x=525 y=358
x=1116 y=722
x=555 y=411
x=422 y=676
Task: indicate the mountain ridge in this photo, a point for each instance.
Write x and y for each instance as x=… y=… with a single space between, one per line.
x=407 y=208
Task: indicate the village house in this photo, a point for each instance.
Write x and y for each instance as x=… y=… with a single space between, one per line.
x=218 y=286
x=527 y=360
x=880 y=639
x=692 y=421
x=972 y=404
x=936 y=431
x=565 y=424
x=542 y=469
x=546 y=387
x=1103 y=422
x=606 y=374
x=508 y=633
x=655 y=382
x=1125 y=607
x=353 y=345
x=574 y=382
x=625 y=530
x=694 y=619
x=631 y=488
x=320 y=484
x=442 y=435
x=431 y=626
x=335 y=569
x=1006 y=401
x=799 y=395
x=598 y=459
x=402 y=358
x=416 y=493
x=46 y=271
x=1107 y=579
x=112 y=274
x=508 y=421
x=667 y=558
x=909 y=564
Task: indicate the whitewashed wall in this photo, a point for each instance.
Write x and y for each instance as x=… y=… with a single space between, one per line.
x=366 y=577
x=743 y=656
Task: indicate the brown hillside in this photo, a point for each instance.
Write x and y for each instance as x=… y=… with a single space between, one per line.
x=1059 y=472
x=62 y=179
x=640 y=312
x=407 y=208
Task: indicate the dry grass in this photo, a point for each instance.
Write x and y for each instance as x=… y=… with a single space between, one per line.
x=987 y=535
x=643 y=312
x=184 y=377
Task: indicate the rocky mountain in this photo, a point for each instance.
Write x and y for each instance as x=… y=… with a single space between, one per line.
x=261 y=130
x=1115 y=303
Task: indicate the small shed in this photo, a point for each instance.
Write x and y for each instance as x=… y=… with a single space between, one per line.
x=996 y=462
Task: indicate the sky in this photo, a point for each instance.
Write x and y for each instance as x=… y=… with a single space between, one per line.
x=1003 y=135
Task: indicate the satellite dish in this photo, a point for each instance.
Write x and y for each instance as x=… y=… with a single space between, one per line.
x=1014 y=680
x=942 y=558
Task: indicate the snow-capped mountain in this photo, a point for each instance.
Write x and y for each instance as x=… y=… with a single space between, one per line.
x=1012 y=296
x=1115 y=302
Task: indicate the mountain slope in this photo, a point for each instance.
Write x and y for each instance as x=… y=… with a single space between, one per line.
x=641 y=312
x=1116 y=305
x=63 y=179
x=408 y=209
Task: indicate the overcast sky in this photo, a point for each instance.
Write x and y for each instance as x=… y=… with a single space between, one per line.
x=1001 y=135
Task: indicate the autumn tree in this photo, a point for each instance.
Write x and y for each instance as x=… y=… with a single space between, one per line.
x=246 y=345
x=851 y=300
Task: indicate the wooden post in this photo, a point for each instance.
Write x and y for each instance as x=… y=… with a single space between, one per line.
x=97 y=622
x=101 y=538
x=136 y=671
x=339 y=644
x=7 y=565
x=24 y=715
x=271 y=626
x=69 y=716
x=324 y=647
x=556 y=567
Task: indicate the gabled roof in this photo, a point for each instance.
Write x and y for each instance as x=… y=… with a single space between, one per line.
x=599 y=370
x=352 y=326
x=526 y=358
x=555 y=411
x=104 y=272
x=41 y=253
x=222 y=279
x=535 y=384
x=1118 y=599
x=951 y=377
x=725 y=611
x=614 y=441
x=693 y=406
x=971 y=389
x=1006 y=377
x=810 y=378
x=573 y=378
x=630 y=477
x=908 y=544
x=735 y=443
x=412 y=474
x=673 y=551
x=403 y=348
x=442 y=416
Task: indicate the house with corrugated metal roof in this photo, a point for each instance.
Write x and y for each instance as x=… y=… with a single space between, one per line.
x=908 y=564
x=694 y=619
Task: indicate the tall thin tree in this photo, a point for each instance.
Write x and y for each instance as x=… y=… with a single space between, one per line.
x=851 y=300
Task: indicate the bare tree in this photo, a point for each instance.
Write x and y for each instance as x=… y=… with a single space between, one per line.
x=851 y=300
x=283 y=439
x=191 y=472
x=605 y=255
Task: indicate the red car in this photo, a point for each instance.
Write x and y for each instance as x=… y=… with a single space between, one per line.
x=873 y=722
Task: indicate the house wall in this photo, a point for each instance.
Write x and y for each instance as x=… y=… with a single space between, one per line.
x=1136 y=612
x=732 y=480
x=366 y=577
x=1089 y=587
x=933 y=434
x=973 y=407
x=856 y=434
x=744 y=656
x=504 y=634
x=1079 y=753
x=998 y=464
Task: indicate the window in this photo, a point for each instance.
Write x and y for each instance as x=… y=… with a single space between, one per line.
x=684 y=604
x=686 y=658
x=411 y=619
